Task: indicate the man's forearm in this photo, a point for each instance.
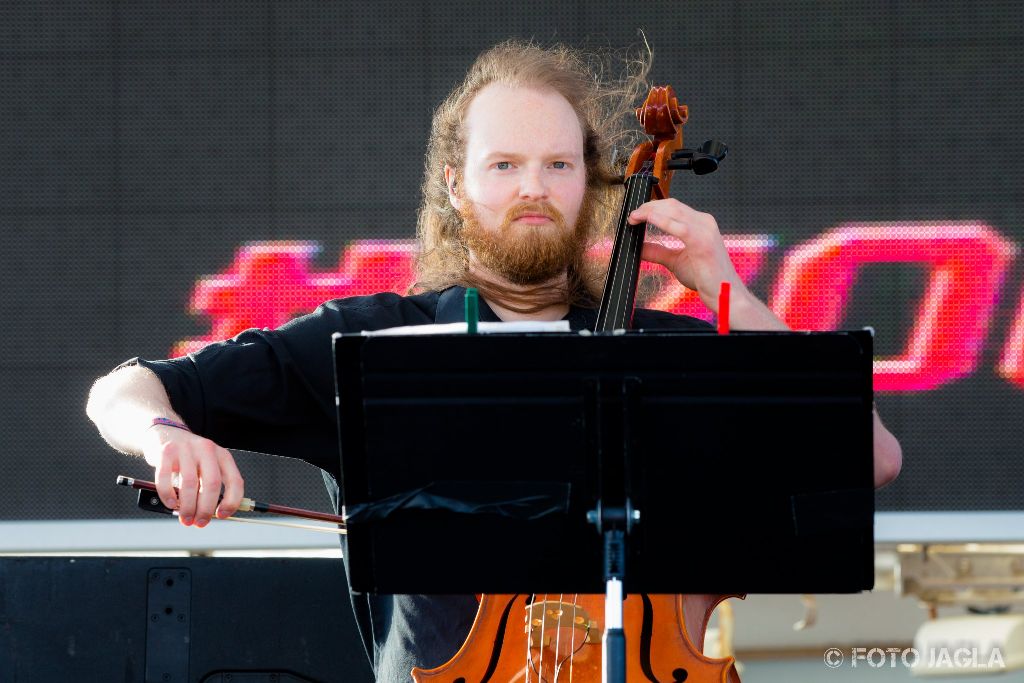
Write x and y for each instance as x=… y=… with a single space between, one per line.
x=747 y=312
x=123 y=405
x=888 y=453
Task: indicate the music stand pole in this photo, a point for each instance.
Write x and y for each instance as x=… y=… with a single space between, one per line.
x=613 y=643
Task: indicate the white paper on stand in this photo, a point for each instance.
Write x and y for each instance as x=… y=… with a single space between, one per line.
x=517 y=326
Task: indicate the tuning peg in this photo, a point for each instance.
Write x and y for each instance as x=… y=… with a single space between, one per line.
x=708 y=156
x=702 y=161
x=715 y=148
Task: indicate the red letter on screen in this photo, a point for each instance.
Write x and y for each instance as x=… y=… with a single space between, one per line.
x=1011 y=364
x=966 y=263
x=269 y=283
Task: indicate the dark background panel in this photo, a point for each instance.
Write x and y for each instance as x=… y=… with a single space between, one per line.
x=195 y=132
x=803 y=140
x=192 y=26
x=47 y=448
x=57 y=153
x=142 y=144
x=954 y=121
x=55 y=26
x=162 y=255
x=956 y=22
x=240 y=617
x=57 y=310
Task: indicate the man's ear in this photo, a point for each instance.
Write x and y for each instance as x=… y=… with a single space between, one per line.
x=449 y=180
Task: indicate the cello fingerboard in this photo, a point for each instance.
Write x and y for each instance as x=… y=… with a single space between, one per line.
x=616 y=311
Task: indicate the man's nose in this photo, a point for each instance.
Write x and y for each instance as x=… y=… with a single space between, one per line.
x=532 y=186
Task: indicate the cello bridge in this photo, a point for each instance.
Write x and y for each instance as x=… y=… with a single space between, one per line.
x=547 y=617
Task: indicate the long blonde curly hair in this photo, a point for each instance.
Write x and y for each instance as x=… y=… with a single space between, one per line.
x=603 y=89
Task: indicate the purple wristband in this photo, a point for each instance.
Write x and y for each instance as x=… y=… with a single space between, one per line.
x=167 y=422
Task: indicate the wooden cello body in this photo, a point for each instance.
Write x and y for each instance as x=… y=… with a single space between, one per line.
x=558 y=638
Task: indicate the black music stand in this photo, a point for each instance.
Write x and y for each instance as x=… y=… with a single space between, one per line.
x=672 y=462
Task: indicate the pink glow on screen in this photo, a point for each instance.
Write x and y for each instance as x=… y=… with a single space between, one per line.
x=966 y=264
x=1011 y=364
x=269 y=283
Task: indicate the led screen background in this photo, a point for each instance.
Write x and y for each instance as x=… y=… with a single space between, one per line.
x=170 y=171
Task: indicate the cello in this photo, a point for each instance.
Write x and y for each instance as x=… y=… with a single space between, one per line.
x=548 y=638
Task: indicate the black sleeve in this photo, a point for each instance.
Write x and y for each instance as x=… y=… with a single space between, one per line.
x=270 y=391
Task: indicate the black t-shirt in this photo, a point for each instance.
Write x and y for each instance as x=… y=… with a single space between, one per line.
x=272 y=391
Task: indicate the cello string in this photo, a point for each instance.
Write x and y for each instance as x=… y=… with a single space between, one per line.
x=543 y=623
x=606 y=300
x=572 y=643
x=558 y=635
x=627 y=249
x=613 y=299
x=620 y=276
x=619 y=281
x=528 y=664
x=613 y=273
x=627 y=271
x=636 y=244
x=636 y=248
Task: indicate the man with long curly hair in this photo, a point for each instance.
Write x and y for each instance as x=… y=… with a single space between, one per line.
x=517 y=187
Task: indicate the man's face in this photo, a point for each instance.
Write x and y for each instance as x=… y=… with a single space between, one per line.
x=523 y=183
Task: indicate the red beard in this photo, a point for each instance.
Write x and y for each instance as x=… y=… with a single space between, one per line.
x=524 y=254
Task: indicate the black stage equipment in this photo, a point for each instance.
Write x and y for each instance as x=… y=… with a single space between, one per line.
x=177 y=620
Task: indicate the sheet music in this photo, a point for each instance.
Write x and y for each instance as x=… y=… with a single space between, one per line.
x=518 y=326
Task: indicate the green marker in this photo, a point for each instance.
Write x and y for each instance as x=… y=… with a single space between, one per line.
x=472 y=310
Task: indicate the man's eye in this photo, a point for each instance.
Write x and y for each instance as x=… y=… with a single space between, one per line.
x=559 y=164
x=503 y=165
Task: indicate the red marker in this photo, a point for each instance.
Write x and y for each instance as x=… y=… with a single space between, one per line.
x=723 y=309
